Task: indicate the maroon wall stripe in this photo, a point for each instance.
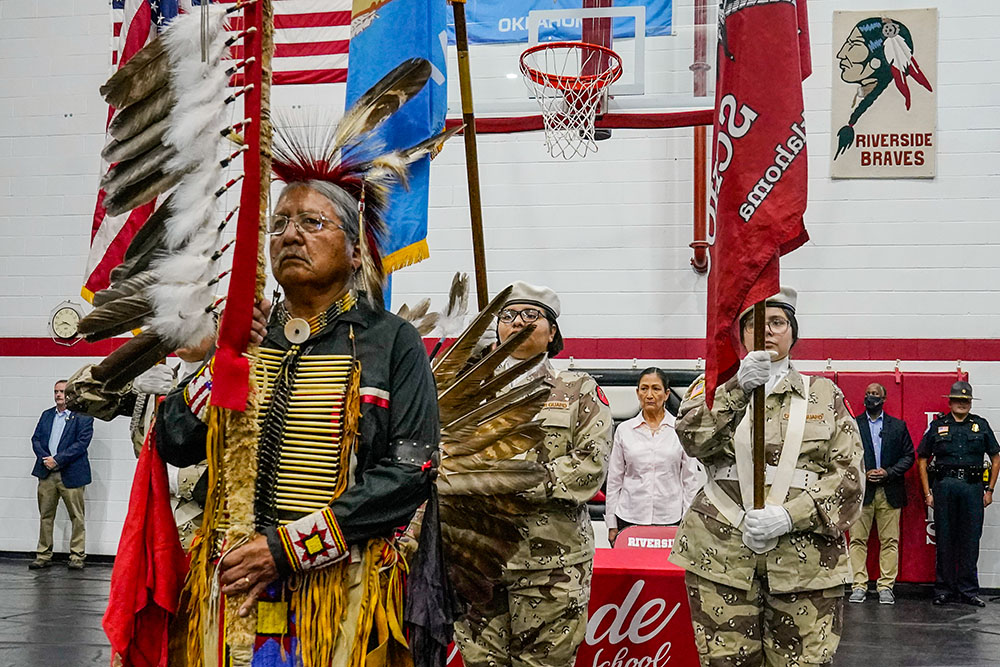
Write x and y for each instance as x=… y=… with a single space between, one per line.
x=911 y=349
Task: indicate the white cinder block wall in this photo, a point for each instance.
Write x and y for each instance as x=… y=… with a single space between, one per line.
x=887 y=259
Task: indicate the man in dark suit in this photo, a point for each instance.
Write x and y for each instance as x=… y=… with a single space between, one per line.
x=889 y=454
x=60 y=445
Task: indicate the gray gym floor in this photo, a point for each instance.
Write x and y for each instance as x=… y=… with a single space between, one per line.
x=53 y=617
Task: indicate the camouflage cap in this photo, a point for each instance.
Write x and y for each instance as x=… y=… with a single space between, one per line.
x=961 y=389
x=535 y=295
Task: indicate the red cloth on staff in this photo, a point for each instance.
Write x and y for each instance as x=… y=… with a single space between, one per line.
x=149 y=569
x=759 y=176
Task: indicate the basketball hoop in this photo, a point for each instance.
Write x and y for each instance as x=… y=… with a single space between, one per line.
x=570 y=82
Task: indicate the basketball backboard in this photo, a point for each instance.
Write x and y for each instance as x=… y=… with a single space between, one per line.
x=667 y=49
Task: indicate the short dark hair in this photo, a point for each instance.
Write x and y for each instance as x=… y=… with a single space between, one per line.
x=789 y=313
x=653 y=370
x=556 y=345
x=61 y=382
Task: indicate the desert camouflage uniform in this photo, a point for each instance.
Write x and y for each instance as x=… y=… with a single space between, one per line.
x=188 y=509
x=795 y=590
x=539 y=616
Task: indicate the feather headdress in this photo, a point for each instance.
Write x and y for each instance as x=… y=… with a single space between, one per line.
x=351 y=156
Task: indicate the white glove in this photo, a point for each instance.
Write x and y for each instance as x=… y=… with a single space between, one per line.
x=754 y=370
x=157 y=380
x=759 y=546
x=766 y=524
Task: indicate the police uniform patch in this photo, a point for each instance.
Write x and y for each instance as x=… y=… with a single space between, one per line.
x=600 y=395
x=942 y=430
x=975 y=427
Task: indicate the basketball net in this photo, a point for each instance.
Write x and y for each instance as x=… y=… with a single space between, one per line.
x=569 y=80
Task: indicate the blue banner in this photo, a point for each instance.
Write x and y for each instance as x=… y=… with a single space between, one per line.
x=392 y=32
x=495 y=21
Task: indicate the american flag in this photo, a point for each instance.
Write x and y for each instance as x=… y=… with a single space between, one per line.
x=311 y=44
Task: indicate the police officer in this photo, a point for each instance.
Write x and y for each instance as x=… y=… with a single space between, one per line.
x=957 y=442
x=538 y=616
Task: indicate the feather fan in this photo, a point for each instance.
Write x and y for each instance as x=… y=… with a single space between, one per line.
x=488 y=434
x=447 y=367
x=116 y=317
x=134 y=285
x=145 y=72
x=418 y=316
x=133 y=119
x=452 y=320
x=133 y=358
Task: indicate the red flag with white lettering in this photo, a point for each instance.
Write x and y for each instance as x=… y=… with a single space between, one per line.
x=759 y=175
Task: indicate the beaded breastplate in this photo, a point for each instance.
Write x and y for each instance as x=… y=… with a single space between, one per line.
x=302 y=459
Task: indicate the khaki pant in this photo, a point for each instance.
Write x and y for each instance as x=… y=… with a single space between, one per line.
x=886 y=519
x=538 y=619
x=50 y=490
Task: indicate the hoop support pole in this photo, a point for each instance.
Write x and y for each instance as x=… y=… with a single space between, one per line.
x=471 y=153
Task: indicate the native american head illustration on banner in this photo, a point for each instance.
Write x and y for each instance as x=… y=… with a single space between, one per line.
x=878 y=54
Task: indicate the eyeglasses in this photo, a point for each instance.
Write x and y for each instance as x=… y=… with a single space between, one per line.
x=528 y=315
x=306 y=222
x=776 y=324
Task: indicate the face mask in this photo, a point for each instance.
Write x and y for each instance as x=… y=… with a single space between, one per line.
x=874 y=402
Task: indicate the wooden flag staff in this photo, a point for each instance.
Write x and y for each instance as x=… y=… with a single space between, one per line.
x=471 y=153
x=759 y=309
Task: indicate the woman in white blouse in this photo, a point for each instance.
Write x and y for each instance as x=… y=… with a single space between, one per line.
x=651 y=481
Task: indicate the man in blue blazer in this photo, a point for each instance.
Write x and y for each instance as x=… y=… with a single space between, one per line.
x=60 y=445
x=889 y=454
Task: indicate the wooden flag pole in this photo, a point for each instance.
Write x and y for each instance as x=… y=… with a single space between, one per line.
x=471 y=153
x=758 y=412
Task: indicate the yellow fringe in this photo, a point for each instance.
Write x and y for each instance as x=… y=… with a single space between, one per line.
x=197 y=583
x=318 y=605
x=370 y=600
x=411 y=254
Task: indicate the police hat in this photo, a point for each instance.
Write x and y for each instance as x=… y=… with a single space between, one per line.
x=961 y=389
x=534 y=295
x=786 y=297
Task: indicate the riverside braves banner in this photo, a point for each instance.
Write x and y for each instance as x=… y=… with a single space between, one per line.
x=759 y=175
x=884 y=108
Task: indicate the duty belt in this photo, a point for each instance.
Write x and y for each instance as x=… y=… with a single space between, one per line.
x=970 y=474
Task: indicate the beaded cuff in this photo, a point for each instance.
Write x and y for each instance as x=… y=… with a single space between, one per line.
x=313 y=541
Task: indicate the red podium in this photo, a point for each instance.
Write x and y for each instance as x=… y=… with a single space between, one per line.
x=638 y=615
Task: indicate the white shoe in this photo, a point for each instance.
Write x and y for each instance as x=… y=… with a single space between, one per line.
x=886 y=596
x=857 y=595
